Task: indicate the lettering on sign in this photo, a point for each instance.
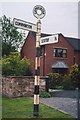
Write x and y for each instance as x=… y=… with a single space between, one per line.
x=45 y=40
x=23 y=25
x=49 y=39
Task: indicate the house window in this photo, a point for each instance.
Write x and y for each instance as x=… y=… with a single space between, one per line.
x=60 y=52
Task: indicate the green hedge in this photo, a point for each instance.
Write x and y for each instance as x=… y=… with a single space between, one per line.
x=45 y=94
x=75 y=75
x=67 y=81
x=13 y=65
x=55 y=80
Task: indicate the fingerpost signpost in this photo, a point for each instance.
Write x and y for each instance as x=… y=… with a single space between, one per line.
x=39 y=12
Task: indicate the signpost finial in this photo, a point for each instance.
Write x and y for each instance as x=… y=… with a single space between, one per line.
x=39 y=11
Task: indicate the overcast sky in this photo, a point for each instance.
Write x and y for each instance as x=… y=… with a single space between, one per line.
x=61 y=17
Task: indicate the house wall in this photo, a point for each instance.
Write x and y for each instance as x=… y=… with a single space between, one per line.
x=46 y=61
x=29 y=50
x=77 y=57
x=50 y=59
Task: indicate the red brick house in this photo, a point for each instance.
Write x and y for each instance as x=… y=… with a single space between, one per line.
x=56 y=56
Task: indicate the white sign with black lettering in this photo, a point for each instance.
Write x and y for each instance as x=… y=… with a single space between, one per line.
x=24 y=25
x=49 y=39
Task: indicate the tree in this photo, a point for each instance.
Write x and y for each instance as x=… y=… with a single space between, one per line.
x=7 y=48
x=10 y=35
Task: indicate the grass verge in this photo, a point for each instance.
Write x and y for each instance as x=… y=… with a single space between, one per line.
x=23 y=108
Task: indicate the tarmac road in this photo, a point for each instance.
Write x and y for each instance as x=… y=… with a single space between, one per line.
x=66 y=105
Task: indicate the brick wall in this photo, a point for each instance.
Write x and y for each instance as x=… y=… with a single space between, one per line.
x=29 y=50
x=20 y=86
x=50 y=59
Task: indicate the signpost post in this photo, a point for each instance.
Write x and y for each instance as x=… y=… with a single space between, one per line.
x=39 y=13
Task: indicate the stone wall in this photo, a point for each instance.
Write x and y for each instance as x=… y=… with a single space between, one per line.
x=20 y=86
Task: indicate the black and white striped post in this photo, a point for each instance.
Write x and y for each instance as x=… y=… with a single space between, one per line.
x=39 y=12
x=37 y=70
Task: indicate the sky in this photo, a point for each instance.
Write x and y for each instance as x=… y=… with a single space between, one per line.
x=61 y=17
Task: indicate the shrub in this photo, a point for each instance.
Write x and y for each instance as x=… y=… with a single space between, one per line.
x=45 y=94
x=75 y=76
x=72 y=80
x=66 y=83
x=14 y=66
x=58 y=87
x=54 y=80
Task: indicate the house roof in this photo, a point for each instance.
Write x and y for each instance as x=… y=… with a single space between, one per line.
x=60 y=64
x=74 y=42
x=34 y=34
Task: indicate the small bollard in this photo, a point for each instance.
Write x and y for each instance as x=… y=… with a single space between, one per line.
x=78 y=109
x=47 y=83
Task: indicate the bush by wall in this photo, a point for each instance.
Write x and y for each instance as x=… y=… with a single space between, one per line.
x=55 y=80
x=45 y=94
x=67 y=82
x=75 y=76
x=12 y=65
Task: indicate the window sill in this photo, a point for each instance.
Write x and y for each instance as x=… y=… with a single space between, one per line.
x=59 y=58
